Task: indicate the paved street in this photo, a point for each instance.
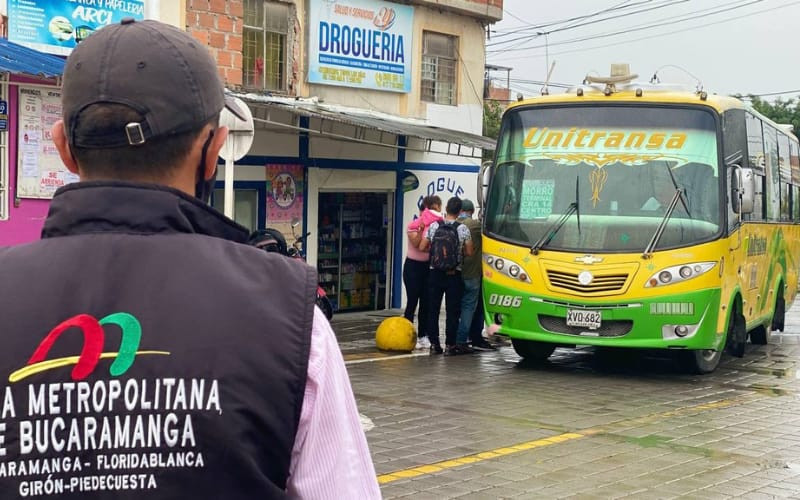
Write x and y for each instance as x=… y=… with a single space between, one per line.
x=587 y=424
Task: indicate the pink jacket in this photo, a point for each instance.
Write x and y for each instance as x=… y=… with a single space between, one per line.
x=426 y=218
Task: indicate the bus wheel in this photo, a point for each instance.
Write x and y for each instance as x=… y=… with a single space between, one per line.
x=532 y=350
x=760 y=335
x=737 y=334
x=702 y=361
x=780 y=312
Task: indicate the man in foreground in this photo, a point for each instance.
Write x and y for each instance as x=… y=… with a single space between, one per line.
x=204 y=369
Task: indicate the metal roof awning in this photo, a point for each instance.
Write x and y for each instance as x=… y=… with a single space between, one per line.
x=20 y=60
x=457 y=142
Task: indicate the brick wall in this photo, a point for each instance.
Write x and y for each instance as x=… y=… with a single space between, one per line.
x=217 y=24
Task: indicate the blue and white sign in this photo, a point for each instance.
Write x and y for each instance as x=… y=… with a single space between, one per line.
x=56 y=26
x=3 y=115
x=360 y=43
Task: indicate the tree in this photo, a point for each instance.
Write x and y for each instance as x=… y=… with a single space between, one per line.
x=492 y=113
x=780 y=111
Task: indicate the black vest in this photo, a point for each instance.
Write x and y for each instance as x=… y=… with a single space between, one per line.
x=147 y=353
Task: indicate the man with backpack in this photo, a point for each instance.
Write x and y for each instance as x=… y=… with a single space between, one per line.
x=449 y=241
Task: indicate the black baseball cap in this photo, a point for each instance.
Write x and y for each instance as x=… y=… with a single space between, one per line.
x=151 y=67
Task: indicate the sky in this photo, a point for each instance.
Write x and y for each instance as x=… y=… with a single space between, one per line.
x=730 y=46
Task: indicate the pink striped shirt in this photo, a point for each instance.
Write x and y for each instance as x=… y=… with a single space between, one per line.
x=330 y=458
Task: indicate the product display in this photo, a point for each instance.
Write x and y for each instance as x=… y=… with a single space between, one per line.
x=351 y=258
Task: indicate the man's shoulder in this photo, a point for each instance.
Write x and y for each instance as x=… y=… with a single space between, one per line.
x=470 y=222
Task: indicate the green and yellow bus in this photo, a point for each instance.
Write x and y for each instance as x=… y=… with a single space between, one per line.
x=633 y=215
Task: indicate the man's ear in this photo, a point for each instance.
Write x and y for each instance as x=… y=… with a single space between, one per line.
x=62 y=145
x=212 y=157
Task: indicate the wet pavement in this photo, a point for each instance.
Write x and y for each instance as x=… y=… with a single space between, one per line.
x=586 y=424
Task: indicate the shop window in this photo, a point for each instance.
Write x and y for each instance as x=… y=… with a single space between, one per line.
x=265 y=33
x=439 y=56
x=245 y=206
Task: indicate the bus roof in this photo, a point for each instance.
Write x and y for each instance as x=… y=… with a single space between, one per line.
x=653 y=93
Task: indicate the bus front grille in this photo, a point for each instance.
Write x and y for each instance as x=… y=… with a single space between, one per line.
x=602 y=283
x=609 y=328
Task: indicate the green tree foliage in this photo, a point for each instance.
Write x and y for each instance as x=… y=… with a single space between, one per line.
x=779 y=111
x=492 y=113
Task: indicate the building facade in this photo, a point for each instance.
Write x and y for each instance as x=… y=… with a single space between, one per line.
x=361 y=108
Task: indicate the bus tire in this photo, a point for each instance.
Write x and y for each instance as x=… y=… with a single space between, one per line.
x=702 y=361
x=760 y=335
x=779 y=317
x=532 y=350
x=737 y=333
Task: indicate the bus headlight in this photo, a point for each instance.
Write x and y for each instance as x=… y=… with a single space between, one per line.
x=679 y=273
x=506 y=267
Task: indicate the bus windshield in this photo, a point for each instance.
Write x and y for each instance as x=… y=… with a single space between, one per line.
x=612 y=170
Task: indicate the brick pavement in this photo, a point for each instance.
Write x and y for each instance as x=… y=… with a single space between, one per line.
x=490 y=426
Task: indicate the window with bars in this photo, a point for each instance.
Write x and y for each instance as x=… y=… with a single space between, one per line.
x=439 y=57
x=265 y=32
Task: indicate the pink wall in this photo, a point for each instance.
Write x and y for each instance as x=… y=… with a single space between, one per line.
x=26 y=216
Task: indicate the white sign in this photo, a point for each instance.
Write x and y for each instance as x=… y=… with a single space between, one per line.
x=360 y=43
x=39 y=168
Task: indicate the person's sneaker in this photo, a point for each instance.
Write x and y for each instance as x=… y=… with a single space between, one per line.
x=436 y=349
x=484 y=345
x=455 y=350
x=423 y=343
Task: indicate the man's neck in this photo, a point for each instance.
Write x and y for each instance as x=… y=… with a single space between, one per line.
x=450 y=217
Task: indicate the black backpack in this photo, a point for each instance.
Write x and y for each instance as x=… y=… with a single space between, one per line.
x=445 y=247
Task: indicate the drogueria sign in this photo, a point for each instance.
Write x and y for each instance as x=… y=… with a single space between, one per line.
x=360 y=43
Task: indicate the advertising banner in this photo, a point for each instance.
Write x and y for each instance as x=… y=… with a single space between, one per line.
x=39 y=168
x=284 y=193
x=360 y=43
x=56 y=26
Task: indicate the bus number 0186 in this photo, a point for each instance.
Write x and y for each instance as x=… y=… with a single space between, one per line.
x=504 y=300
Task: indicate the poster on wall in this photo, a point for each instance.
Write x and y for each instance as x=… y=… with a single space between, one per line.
x=285 y=184
x=39 y=168
x=56 y=26
x=360 y=43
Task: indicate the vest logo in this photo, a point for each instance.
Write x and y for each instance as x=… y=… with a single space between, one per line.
x=94 y=337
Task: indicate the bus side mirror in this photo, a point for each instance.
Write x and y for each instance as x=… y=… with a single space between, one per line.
x=742 y=190
x=484 y=178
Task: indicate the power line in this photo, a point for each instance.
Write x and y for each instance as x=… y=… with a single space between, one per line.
x=530 y=26
x=691 y=16
x=588 y=23
x=774 y=93
x=623 y=42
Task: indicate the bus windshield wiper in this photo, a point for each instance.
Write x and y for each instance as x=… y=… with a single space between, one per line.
x=573 y=207
x=683 y=193
x=648 y=251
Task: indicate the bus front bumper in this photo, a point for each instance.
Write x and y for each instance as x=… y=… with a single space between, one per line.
x=683 y=321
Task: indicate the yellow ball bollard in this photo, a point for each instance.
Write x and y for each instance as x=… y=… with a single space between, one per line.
x=396 y=334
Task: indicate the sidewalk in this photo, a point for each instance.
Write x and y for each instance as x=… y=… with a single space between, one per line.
x=355 y=331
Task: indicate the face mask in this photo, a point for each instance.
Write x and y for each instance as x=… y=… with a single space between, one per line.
x=203 y=187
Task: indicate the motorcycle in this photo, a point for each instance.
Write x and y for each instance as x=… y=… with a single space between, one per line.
x=272 y=240
x=296 y=252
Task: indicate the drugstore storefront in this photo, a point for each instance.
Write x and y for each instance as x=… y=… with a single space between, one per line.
x=354 y=179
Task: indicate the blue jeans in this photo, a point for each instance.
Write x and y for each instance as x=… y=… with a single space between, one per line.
x=472 y=288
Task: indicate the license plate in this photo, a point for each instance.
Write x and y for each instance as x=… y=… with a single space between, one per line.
x=586 y=319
